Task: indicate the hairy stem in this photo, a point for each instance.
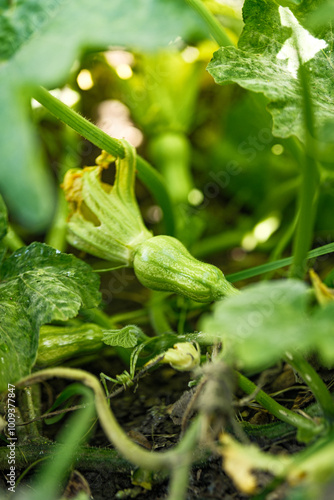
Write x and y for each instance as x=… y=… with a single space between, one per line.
x=147 y=174
x=79 y=123
x=215 y=28
x=180 y=480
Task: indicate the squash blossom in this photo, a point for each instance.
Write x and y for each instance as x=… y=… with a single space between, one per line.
x=105 y=221
x=183 y=356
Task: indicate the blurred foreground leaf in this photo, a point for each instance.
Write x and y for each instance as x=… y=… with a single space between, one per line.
x=40 y=41
x=269 y=319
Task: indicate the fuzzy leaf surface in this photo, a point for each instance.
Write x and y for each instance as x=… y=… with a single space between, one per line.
x=258 y=326
x=266 y=61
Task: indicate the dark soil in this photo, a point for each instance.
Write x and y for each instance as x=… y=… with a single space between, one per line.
x=145 y=413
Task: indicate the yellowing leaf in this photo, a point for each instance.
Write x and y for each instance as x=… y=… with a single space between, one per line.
x=240 y=462
x=322 y=292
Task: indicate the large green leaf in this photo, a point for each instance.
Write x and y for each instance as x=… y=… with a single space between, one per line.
x=38 y=285
x=268 y=320
x=323 y=330
x=266 y=61
x=261 y=323
x=41 y=40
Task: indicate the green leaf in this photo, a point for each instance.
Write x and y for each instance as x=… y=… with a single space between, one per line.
x=54 y=284
x=266 y=61
x=126 y=337
x=258 y=326
x=38 y=285
x=16 y=26
x=41 y=40
x=323 y=329
x=267 y=321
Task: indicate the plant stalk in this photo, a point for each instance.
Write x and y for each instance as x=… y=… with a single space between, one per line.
x=308 y=187
x=146 y=173
x=275 y=408
x=216 y=29
x=179 y=480
x=56 y=235
x=315 y=383
x=278 y=264
x=79 y=123
x=13 y=240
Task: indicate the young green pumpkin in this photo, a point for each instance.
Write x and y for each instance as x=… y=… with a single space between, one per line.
x=106 y=222
x=163 y=263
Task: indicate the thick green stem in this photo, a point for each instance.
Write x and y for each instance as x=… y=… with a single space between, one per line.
x=28 y=410
x=171 y=153
x=131 y=451
x=79 y=123
x=180 y=472
x=147 y=174
x=180 y=480
x=86 y=459
x=215 y=28
x=12 y=240
x=155 y=183
x=157 y=311
x=308 y=187
x=315 y=383
x=56 y=236
x=276 y=409
x=303 y=237
x=102 y=319
x=283 y=242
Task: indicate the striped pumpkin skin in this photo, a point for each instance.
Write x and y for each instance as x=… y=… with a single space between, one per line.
x=162 y=263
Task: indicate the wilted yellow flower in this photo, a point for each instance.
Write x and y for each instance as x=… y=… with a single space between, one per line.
x=183 y=356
